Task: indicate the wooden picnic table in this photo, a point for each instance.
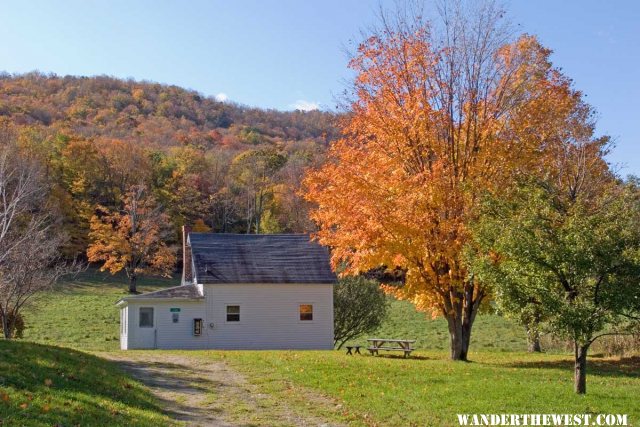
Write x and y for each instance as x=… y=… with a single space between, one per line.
x=386 y=344
x=352 y=347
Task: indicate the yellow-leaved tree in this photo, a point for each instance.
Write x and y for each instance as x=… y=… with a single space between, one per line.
x=442 y=112
x=132 y=239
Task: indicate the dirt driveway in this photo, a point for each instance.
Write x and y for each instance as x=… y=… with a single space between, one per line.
x=201 y=392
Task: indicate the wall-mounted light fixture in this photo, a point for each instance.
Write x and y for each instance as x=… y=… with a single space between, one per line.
x=197 y=327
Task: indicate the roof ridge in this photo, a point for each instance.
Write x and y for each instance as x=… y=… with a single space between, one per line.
x=168 y=291
x=208 y=233
x=164 y=289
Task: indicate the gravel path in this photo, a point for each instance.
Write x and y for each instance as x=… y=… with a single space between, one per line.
x=201 y=392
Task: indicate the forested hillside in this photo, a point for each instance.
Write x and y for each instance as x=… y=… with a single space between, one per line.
x=207 y=164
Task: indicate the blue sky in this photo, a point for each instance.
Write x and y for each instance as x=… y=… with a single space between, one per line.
x=285 y=53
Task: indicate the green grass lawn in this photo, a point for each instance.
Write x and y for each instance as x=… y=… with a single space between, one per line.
x=45 y=386
x=430 y=389
x=425 y=390
x=82 y=314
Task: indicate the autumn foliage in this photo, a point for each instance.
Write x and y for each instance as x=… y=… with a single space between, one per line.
x=97 y=136
x=132 y=239
x=439 y=116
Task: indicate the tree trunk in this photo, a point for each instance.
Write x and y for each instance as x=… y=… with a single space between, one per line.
x=466 y=340
x=258 y=211
x=459 y=337
x=132 y=284
x=6 y=327
x=580 y=368
x=460 y=316
x=455 y=336
x=533 y=340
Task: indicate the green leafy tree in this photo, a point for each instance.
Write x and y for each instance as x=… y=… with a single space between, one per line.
x=570 y=255
x=359 y=306
x=254 y=174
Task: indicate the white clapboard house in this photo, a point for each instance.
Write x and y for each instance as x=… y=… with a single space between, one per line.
x=238 y=291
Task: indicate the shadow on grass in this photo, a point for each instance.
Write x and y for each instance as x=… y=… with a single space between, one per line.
x=75 y=387
x=401 y=357
x=624 y=367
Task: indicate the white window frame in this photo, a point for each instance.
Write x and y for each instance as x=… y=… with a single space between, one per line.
x=313 y=311
x=233 y=322
x=153 y=320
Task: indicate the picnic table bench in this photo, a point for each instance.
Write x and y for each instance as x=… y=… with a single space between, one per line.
x=352 y=347
x=385 y=344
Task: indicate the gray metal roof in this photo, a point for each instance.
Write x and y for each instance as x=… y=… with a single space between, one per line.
x=177 y=292
x=259 y=258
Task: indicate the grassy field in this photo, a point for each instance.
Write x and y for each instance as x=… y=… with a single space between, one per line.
x=431 y=390
x=82 y=314
x=365 y=390
x=45 y=386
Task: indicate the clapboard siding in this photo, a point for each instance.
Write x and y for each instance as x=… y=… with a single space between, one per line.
x=180 y=335
x=165 y=334
x=269 y=319
x=135 y=337
x=269 y=316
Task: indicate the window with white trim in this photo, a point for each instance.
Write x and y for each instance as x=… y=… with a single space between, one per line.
x=306 y=312
x=145 y=319
x=233 y=313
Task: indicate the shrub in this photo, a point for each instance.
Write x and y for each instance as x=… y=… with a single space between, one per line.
x=359 y=307
x=17 y=325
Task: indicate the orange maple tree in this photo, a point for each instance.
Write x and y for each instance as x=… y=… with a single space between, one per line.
x=132 y=239
x=438 y=118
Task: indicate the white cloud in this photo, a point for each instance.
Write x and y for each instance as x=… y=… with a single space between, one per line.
x=606 y=35
x=303 y=105
x=221 y=97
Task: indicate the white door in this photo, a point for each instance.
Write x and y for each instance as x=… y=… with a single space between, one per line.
x=146 y=333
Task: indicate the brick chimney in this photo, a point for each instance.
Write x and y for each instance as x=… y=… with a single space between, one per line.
x=187 y=274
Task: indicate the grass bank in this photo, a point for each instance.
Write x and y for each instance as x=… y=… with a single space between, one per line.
x=45 y=386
